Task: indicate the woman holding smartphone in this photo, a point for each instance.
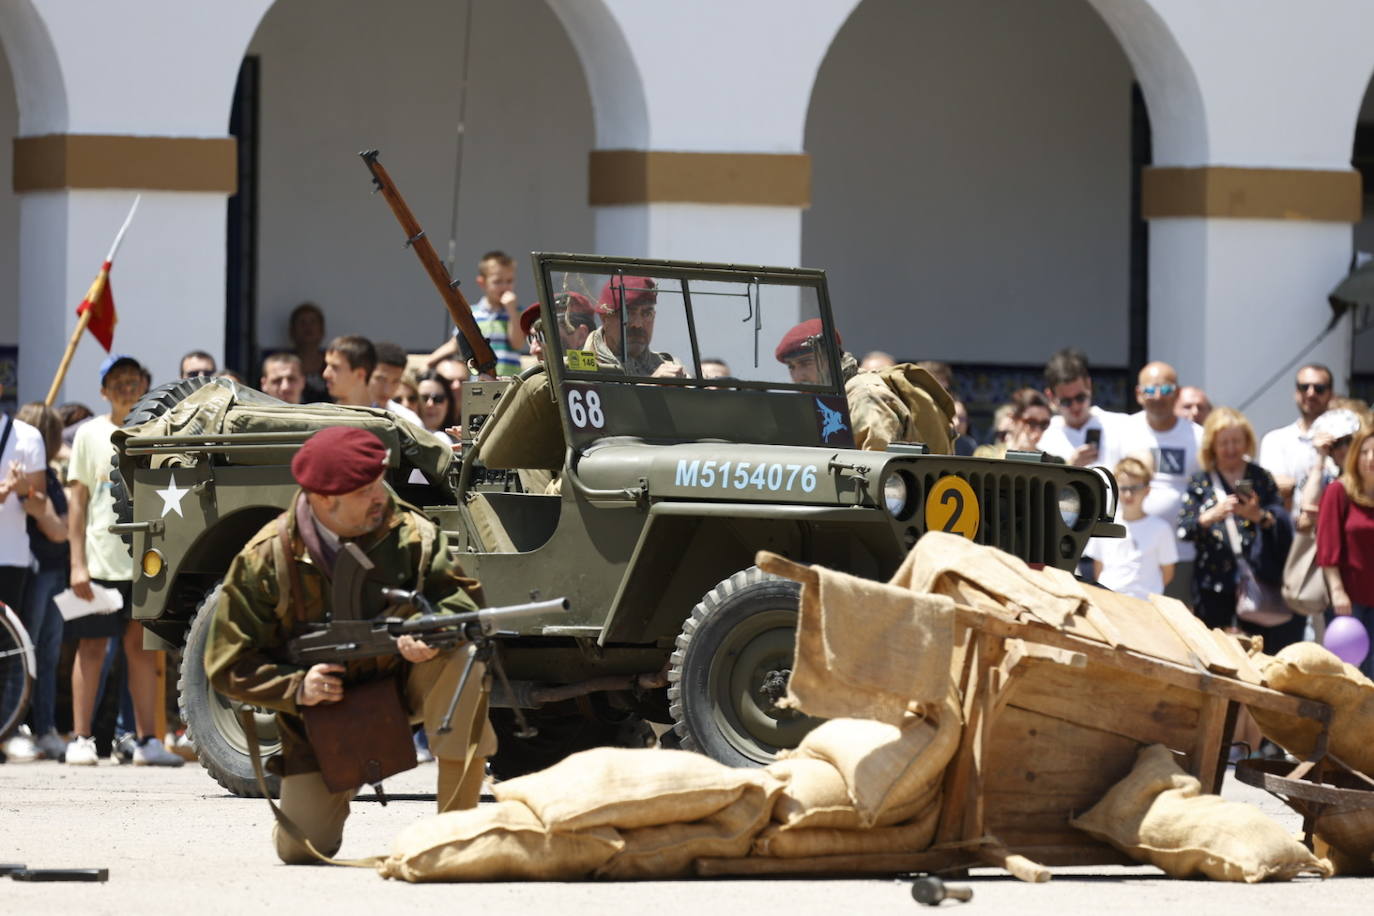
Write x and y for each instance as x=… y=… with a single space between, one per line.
x=1231 y=490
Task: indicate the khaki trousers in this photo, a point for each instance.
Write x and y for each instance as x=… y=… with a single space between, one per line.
x=461 y=756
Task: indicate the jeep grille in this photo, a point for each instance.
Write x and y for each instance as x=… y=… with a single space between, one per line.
x=1019 y=513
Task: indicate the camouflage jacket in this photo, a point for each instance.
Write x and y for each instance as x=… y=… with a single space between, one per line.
x=903 y=403
x=245 y=654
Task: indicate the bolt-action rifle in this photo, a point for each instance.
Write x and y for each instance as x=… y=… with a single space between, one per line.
x=458 y=308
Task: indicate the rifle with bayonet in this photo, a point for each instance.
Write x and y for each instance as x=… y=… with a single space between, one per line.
x=459 y=310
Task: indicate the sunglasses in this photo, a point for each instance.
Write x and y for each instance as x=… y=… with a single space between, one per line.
x=434 y=398
x=1162 y=391
x=1315 y=387
x=1080 y=398
x=1041 y=425
x=198 y=373
x=1132 y=488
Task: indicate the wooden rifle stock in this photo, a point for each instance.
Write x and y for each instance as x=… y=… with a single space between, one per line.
x=458 y=308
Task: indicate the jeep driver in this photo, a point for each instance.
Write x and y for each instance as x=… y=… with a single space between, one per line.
x=636 y=299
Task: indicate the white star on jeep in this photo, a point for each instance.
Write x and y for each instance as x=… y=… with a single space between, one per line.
x=171 y=497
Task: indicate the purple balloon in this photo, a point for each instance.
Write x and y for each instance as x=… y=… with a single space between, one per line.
x=1348 y=639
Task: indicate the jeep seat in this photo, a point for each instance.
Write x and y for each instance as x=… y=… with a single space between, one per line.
x=524 y=431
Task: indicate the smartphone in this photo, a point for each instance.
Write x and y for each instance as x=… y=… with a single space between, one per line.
x=1093 y=437
x=1245 y=488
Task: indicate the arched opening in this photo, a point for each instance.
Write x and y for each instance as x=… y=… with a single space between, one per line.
x=973 y=192
x=328 y=78
x=9 y=243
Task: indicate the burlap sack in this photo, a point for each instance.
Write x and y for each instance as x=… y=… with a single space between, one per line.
x=1348 y=837
x=1308 y=670
x=502 y=842
x=868 y=672
x=1158 y=815
x=886 y=769
x=630 y=788
x=913 y=836
x=668 y=851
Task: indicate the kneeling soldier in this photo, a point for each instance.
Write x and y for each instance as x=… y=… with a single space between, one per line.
x=281 y=580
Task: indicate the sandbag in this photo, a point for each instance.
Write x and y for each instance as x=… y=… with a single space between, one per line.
x=629 y=788
x=667 y=851
x=1308 y=670
x=1347 y=835
x=1159 y=816
x=524 y=431
x=814 y=794
x=913 y=836
x=886 y=769
x=501 y=842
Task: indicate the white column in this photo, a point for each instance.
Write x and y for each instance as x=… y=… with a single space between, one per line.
x=151 y=68
x=1230 y=84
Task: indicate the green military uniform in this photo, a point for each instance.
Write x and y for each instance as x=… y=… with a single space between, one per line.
x=245 y=660
x=902 y=403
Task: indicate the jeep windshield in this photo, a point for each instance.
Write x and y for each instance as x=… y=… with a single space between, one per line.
x=693 y=325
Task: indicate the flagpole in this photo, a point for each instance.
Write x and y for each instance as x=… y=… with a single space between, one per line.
x=66 y=363
x=85 y=318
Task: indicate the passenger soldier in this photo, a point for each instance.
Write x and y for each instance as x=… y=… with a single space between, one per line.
x=640 y=304
x=901 y=403
x=282 y=580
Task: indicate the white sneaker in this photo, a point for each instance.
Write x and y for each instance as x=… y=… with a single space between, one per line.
x=81 y=752
x=153 y=754
x=52 y=746
x=20 y=747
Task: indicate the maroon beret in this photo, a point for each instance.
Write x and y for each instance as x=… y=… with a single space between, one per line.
x=801 y=339
x=637 y=290
x=573 y=302
x=338 y=460
x=528 y=317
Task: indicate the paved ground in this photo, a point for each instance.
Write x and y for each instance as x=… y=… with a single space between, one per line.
x=173 y=841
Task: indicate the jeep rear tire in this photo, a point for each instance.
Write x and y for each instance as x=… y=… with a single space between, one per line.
x=212 y=721
x=730 y=668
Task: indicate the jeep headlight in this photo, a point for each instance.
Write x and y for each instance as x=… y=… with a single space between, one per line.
x=895 y=495
x=1070 y=505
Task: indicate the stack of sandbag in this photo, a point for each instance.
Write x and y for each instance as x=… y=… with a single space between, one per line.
x=1310 y=671
x=856 y=786
x=607 y=813
x=1159 y=816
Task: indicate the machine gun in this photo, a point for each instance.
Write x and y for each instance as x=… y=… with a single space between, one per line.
x=360 y=627
x=347 y=640
x=457 y=304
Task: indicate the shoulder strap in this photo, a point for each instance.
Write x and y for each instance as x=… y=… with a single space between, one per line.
x=5 y=436
x=1232 y=531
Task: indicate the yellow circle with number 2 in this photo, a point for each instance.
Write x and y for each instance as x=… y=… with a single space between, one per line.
x=952 y=506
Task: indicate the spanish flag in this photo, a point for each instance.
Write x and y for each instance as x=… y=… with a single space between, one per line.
x=99 y=302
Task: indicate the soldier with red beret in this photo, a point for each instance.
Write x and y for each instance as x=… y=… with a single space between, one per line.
x=902 y=403
x=628 y=307
x=281 y=580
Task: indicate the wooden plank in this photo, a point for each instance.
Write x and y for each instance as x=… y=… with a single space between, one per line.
x=1109 y=699
x=1245 y=668
x=1194 y=633
x=840 y=866
x=1208 y=758
x=1140 y=627
x=1042 y=770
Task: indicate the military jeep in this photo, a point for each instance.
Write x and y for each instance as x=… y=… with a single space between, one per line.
x=616 y=475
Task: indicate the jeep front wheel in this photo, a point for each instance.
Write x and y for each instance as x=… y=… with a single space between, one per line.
x=730 y=669
x=212 y=722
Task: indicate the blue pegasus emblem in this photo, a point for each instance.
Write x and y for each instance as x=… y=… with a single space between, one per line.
x=832 y=421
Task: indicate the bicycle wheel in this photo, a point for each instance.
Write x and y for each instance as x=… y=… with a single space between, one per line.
x=18 y=667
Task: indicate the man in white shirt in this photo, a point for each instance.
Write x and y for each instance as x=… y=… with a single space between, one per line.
x=1287 y=452
x=1081 y=433
x=1169 y=443
x=22 y=460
